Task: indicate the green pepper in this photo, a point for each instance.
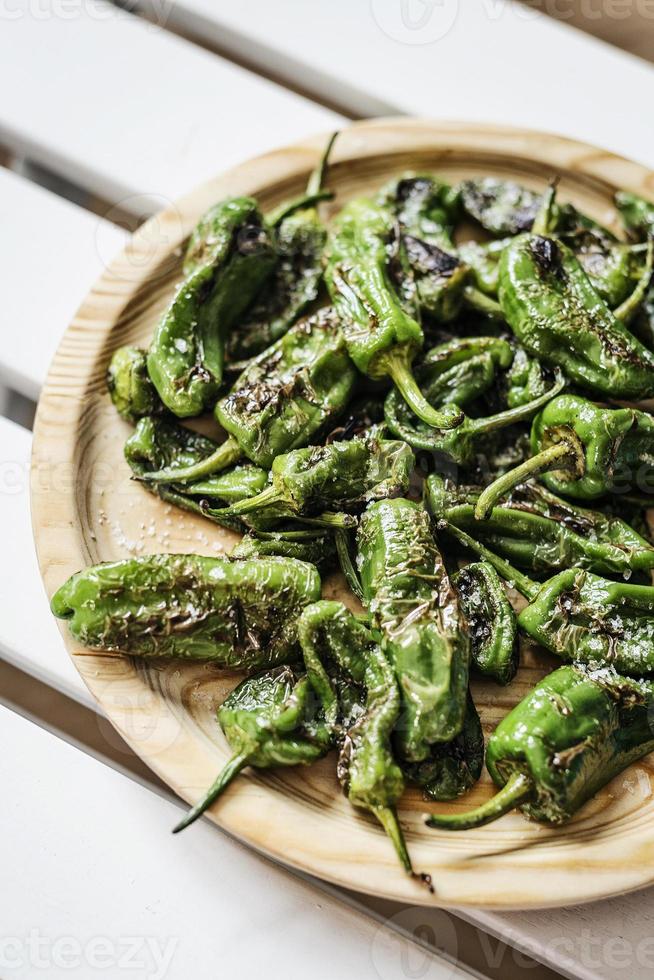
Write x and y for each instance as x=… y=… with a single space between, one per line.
x=541 y=532
x=222 y=274
x=282 y=400
x=613 y=268
x=580 y=616
x=491 y=621
x=483 y=258
x=236 y=614
x=413 y=604
x=267 y=721
x=452 y=768
x=582 y=450
x=343 y=476
x=460 y=445
x=424 y=207
x=334 y=645
x=382 y=337
x=557 y=315
x=300 y=239
x=575 y=731
x=637 y=214
x=128 y=381
x=524 y=380
x=316 y=548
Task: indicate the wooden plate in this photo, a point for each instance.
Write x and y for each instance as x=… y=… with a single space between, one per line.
x=86 y=509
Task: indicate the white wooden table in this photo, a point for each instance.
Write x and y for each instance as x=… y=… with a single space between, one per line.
x=123 y=113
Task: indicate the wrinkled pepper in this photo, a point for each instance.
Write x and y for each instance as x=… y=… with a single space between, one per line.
x=236 y=614
x=130 y=388
x=575 y=731
x=491 y=621
x=414 y=606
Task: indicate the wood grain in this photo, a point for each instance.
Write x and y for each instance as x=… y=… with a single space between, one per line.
x=86 y=509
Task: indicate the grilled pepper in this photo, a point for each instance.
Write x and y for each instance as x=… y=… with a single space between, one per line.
x=413 y=604
x=582 y=450
x=557 y=315
x=491 y=621
x=268 y=722
x=317 y=548
x=281 y=400
x=343 y=476
x=452 y=768
x=236 y=614
x=382 y=336
x=541 y=532
x=637 y=214
x=575 y=731
x=300 y=238
x=580 y=616
x=424 y=207
x=336 y=645
x=222 y=275
x=128 y=381
x=459 y=445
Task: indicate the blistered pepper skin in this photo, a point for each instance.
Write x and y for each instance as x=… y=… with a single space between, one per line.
x=413 y=604
x=491 y=621
x=229 y=257
x=130 y=388
x=236 y=614
x=557 y=315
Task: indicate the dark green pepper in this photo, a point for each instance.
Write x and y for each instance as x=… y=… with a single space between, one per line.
x=343 y=476
x=637 y=214
x=582 y=450
x=229 y=257
x=268 y=722
x=317 y=548
x=382 y=337
x=452 y=768
x=541 y=532
x=413 y=604
x=491 y=621
x=300 y=238
x=236 y=614
x=334 y=644
x=128 y=381
x=557 y=315
x=460 y=445
x=575 y=731
x=580 y=616
x=282 y=399
x=424 y=206
x=502 y=207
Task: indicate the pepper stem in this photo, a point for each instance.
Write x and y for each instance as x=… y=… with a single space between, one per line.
x=227 y=453
x=313 y=194
x=518 y=790
x=397 y=368
x=232 y=769
x=342 y=540
x=522 y=583
x=543 y=221
x=518 y=414
x=542 y=461
x=480 y=301
x=388 y=819
x=630 y=306
x=270 y=495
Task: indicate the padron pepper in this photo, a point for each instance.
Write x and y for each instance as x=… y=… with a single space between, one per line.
x=637 y=214
x=236 y=614
x=583 y=617
x=460 y=445
x=342 y=476
x=130 y=388
x=491 y=621
x=451 y=768
x=300 y=238
x=337 y=646
x=583 y=450
x=229 y=256
x=557 y=315
x=423 y=206
x=282 y=400
x=575 y=731
x=315 y=547
x=382 y=337
x=540 y=532
x=269 y=722
x=415 y=608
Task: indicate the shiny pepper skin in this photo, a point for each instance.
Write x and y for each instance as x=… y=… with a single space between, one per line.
x=575 y=731
x=414 y=606
x=557 y=315
x=491 y=621
x=229 y=256
x=128 y=381
x=236 y=614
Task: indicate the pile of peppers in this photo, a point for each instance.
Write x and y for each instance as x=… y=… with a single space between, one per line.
x=446 y=422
